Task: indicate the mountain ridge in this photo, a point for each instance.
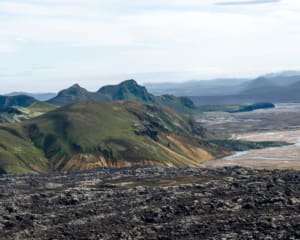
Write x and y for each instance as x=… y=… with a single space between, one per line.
x=261 y=89
x=38 y=96
x=20 y=100
x=128 y=90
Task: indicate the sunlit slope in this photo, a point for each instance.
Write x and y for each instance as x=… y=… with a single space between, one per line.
x=18 y=154
x=92 y=134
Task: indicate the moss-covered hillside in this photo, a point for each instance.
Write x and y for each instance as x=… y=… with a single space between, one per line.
x=91 y=134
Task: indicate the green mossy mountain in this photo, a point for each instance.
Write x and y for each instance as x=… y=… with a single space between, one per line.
x=128 y=90
x=90 y=134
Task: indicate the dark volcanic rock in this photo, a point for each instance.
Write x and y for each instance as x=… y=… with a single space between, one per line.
x=152 y=203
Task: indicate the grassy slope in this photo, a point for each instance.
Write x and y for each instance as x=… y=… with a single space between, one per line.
x=179 y=104
x=37 y=109
x=41 y=107
x=91 y=134
x=17 y=153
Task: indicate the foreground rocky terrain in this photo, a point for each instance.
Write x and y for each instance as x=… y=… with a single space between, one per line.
x=152 y=203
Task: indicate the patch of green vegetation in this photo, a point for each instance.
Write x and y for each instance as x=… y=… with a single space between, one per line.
x=235 y=108
x=237 y=145
x=256 y=106
x=219 y=108
x=41 y=107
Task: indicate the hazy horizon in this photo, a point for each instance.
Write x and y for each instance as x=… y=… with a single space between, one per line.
x=143 y=83
x=47 y=46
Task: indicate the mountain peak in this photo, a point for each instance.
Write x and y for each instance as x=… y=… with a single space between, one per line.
x=74 y=89
x=73 y=94
x=129 y=82
x=76 y=85
x=127 y=90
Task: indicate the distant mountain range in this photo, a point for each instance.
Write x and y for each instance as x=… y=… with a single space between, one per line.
x=263 y=89
x=181 y=97
x=288 y=73
x=215 y=87
x=223 y=87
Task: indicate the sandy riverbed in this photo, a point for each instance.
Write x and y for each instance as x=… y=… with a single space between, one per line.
x=282 y=157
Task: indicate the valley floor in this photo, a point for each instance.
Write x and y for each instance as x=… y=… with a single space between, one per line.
x=152 y=203
x=283 y=117
x=279 y=124
x=279 y=157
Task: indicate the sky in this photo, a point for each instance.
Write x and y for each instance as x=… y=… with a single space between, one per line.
x=51 y=44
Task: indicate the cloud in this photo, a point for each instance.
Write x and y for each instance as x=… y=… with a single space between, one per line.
x=113 y=37
x=72 y=32
x=233 y=3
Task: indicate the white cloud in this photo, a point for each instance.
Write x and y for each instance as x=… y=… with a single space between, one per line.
x=156 y=36
x=75 y=23
x=71 y=32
